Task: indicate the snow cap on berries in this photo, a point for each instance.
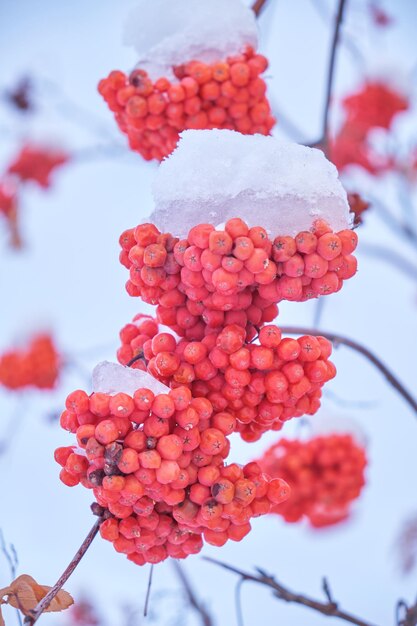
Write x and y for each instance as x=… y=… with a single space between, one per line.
x=112 y=378
x=167 y=34
x=215 y=175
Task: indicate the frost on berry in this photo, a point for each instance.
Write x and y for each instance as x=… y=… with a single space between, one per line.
x=188 y=32
x=325 y=473
x=217 y=175
x=111 y=378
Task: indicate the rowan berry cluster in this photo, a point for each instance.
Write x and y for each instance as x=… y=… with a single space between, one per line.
x=156 y=466
x=37 y=164
x=262 y=385
x=325 y=473
x=375 y=105
x=35 y=366
x=83 y=613
x=215 y=277
x=227 y=94
x=34 y=164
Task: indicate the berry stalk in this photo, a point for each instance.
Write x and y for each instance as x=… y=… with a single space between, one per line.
x=46 y=601
x=194 y=602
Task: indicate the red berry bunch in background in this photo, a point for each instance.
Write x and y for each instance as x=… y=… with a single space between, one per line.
x=9 y=209
x=33 y=163
x=156 y=466
x=36 y=163
x=326 y=474
x=227 y=94
x=214 y=276
x=375 y=105
x=261 y=384
x=83 y=613
x=37 y=365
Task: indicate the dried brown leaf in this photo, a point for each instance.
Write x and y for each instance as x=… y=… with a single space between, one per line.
x=24 y=593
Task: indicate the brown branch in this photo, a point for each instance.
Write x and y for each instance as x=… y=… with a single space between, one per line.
x=331 y=72
x=257 y=6
x=330 y=609
x=410 y=614
x=194 y=602
x=45 y=602
x=340 y=340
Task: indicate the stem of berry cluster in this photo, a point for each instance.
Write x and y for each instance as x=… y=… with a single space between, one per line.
x=331 y=72
x=258 y=6
x=329 y=608
x=340 y=340
x=193 y=601
x=46 y=600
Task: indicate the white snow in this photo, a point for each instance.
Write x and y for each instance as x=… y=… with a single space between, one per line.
x=112 y=378
x=214 y=175
x=166 y=33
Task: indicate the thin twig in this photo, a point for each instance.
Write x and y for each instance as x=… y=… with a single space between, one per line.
x=46 y=601
x=390 y=256
x=148 y=592
x=340 y=340
x=138 y=357
x=318 y=312
x=331 y=72
x=283 y=593
x=13 y=561
x=285 y=123
x=410 y=614
x=327 y=591
x=238 y=602
x=346 y=39
x=258 y=6
x=193 y=601
x=393 y=221
x=14 y=424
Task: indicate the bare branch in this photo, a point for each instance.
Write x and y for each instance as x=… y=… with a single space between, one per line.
x=330 y=609
x=331 y=71
x=193 y=601
x=340 y=340
x=46 y=601
x=410 y=614
x=258 y=6
x=326 y=590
